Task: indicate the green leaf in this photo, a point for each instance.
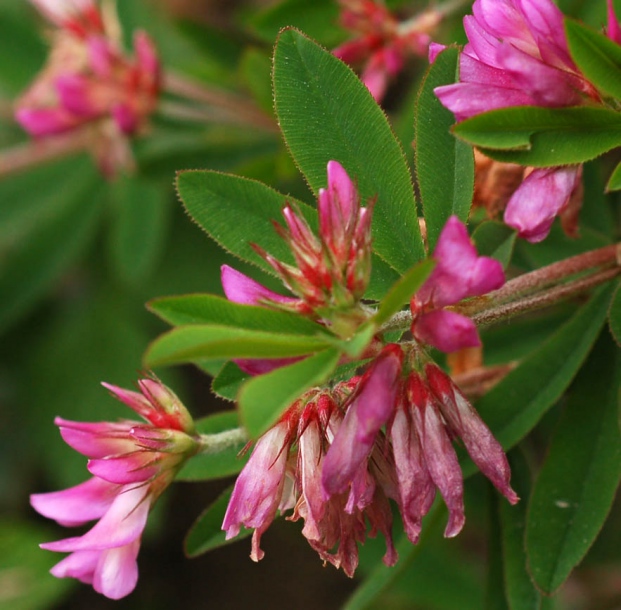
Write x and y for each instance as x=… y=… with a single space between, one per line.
x=520 y=591
x=515 y=405
x=318 y=19
x=614 y=182
x=382 y=576
x=206 y=534
x=210 y=342
x=543 y=137
x=264 y=398
x=597 y=57
x=402 y=291
x=24 y=569
x=326 y=113
x=38 y=253
x=578 y=481
x=229 y=381
x=495 y=597
x=139 y=230
x=212 y=309
x=236 y=212
x=205 y=467
x=614 y=315
x=495 y=239
x=444 y=164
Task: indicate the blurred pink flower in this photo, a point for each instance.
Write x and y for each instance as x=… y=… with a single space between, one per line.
x=89 y=84
x=422 y=412
x=382 y=43
x=517 y=55
x=132 y=463
x=459 y=274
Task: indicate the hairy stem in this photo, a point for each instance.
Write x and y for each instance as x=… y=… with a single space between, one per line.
x=215 y=443
x=235 y=108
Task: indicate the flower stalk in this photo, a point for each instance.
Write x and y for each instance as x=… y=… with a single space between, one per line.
x=535 y=290
x=227 y=106
x=215 y=443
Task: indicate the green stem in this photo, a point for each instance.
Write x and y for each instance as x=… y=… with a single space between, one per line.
x=215 y=443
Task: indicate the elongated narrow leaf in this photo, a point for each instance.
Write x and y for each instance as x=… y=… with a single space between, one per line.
x=495 y=597
x=209 y=342
x=597 y=57
x=326 y=113
x=513 y=407
x=521 y=593
x=220 y=464
x=402 y=291
x=444 y=164
x=264 y=398
x=237 y=212
x=206 y=534
x=212 y=309
x=543 y=136
x=614 y=182
x=577 y=484
x=614 y=315
x=139 y=229
x=495 y=239
x=37 y=254
x=382 y=577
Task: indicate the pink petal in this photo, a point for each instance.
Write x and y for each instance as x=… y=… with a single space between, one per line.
x=459 y=272
x=77 y=505
x=258 y=489
x=435 y=49
x=75 y=95
x=80 y=565
x=416 y=489
x=146 y=55
x=440 y=456
x=97 y=440
x=116 y=574
x=239 y=288
x=122 y=524
x=446 y=330
x=539 y=199
x=125 y=117
x=45 y=121
x=101 y=56
x=136 y=467
x=485 y=451
x=613 y=31
x=371 y=407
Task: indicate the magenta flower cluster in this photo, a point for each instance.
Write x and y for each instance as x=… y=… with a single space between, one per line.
x=89 y=81
x=381 y=43
x=517 y=55
x=337 y=455
x=132 y=463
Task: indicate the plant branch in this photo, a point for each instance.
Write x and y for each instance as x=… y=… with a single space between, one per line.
x=215 y=443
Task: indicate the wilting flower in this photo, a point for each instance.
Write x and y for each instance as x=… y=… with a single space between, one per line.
x=89 y=84
x=459 y=274
x=284 y=473
x=132 y=463
x=517 y=55
x=383 y=43
x=331 y=271
x=422 y=411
